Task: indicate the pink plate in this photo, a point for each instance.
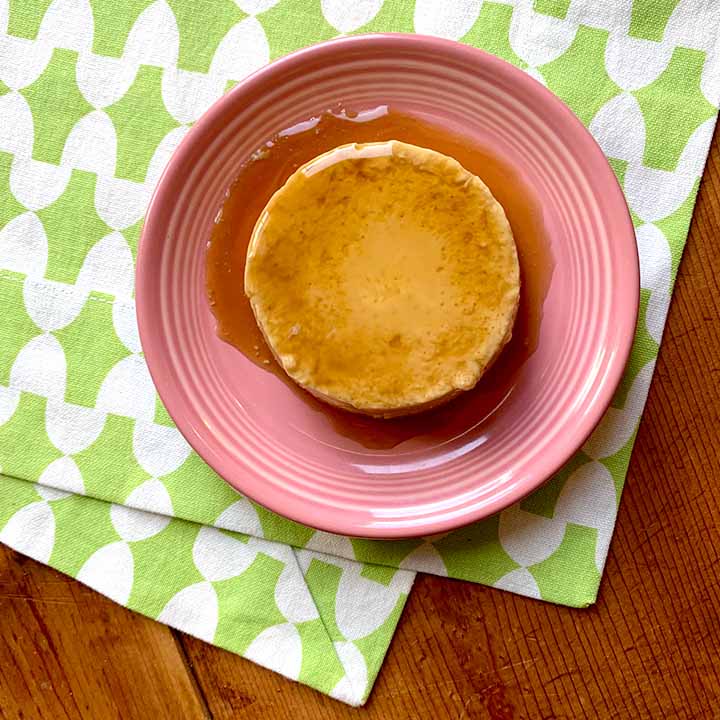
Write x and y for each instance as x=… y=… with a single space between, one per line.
x=284 y=453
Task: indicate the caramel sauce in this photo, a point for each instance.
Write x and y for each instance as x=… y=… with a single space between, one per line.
x=268 y=169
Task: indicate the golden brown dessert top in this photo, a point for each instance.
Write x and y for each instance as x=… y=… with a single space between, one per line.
x=384 y=277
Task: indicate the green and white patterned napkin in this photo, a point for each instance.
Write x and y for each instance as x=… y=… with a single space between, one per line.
x=94 y=97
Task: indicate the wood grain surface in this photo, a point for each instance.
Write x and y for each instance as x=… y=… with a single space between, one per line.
x=649 y=649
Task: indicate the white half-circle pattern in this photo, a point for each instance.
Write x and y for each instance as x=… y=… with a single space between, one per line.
x=529 y=538
x=110 y=570
x=154 y=39
x=62 y=474
x=128 y=390
x=108 y=267
x=103 y=80
x=278 y=648
x=612 y=15
x=632 y=63
x=152 y=496
x=92 y=144
x=35 y=184
x=120 y=203
x=654 y=194
x=536 y=38
x=242 y=517
x=519 y=581
x=133 y=524
x=693 y=24
x=425 y=558
x=23 y=61
x=40 y=368
x=72 y=428
x=187 y=95
x=349 y=15
x=23 y=243
x=450 y=19
x=31 y=531
x=242 y=51
x=622 y=111
x=68 y=24
x=158 y=449
x=17 y=128
x=51 y=305
x=194 y=610
x=219 y=557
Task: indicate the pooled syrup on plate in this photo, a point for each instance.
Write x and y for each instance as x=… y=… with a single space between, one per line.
x=268 y=169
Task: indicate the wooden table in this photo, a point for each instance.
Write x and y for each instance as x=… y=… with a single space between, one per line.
x=650 y=648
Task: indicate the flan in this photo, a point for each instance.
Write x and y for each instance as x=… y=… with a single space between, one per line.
x=384 y=278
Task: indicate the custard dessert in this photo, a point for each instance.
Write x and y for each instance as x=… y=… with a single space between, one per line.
x=384 y=278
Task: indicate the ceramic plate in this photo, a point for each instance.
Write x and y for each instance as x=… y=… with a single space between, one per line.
x=288 y=454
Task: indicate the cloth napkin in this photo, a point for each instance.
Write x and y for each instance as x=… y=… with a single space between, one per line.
x=97 y=482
